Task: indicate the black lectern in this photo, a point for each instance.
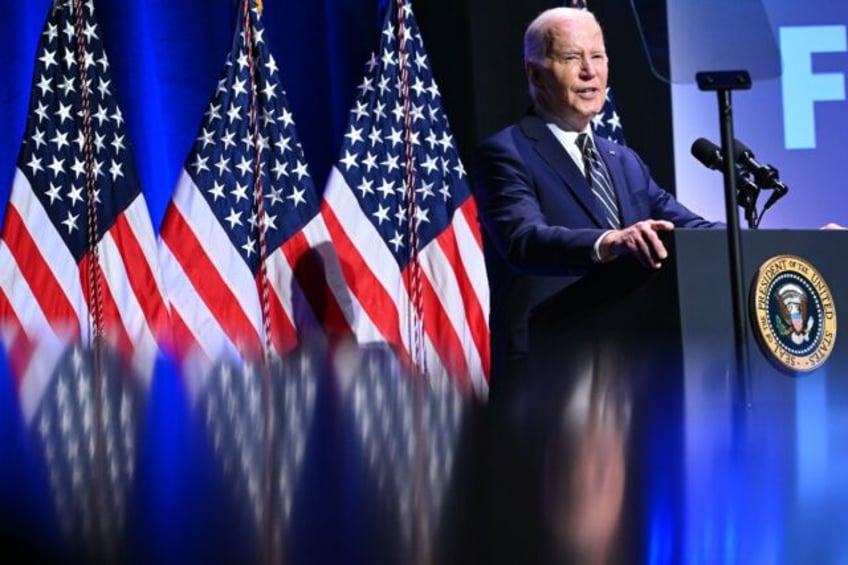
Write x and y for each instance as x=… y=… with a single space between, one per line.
x=678 y=319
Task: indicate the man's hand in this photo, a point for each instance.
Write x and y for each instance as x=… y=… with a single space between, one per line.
x=640 y=239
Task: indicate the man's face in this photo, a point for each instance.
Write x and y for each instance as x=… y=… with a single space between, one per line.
x=571 y=81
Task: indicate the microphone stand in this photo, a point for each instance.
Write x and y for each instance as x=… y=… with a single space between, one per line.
x=723 y=82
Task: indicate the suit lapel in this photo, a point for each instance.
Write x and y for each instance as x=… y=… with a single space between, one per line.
x=552 y=152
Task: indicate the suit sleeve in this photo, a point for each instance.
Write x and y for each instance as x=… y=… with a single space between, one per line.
x=664 y=206
x=514 y=222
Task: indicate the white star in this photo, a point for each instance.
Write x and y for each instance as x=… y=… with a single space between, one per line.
x=391 y=162
x=374 y=136
x=206 y=137
x=103 y=87
x=382 y=214
x=280 y=169
x=38 y=138
x=199 y=164
x=41 y=111
x=380 y=110
x=269 y=91
x=598 y=120
x=420 y=61
x=275 y=195
x=614 y=122
x=361 y=110
x=425 y=191
x=244 y=166
x=90 y=31
x=365 y=187
x=388 y=58
x=386 y=188
x=75 y=194
x=57 y=166
x=105 y=62
x=397 y=241
x=115 y=170
x=418 y=86
x=234 y=218
x=223 y=165
x=48 y=58
x=213 y=113
x=398 y=111
x=51 y=32
x=249 y=246
x=421 y=215
x=53 y=193
x=384 y=85
x=217 y=191
x=370 y=161
x=282 y=144
x=297 y=196
x=60 y=139
x=98 y=141
x=227 y=139
x=242 y=61
x=240 y=192
x=238 y=87
x=67 y=85
x=35 y=164
x=366 y=86
x=44 y=85
x=300 y=170
x=118 y=117
x=269 y=222
x=271 y=65
x=394 y=137
x=233 y=112
x=446 y=141
x=431 y=164
x=349 y=160
x=286 y=118
x=118 y=143
x=460 y=170
x=354 y=135
x=400 y=215
x=71 y=222
x=445 y=192
x=64 y=113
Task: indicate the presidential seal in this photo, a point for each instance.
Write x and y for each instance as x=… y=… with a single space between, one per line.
x=793 y=313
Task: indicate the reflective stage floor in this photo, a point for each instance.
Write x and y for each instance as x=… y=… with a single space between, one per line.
x=345 y=458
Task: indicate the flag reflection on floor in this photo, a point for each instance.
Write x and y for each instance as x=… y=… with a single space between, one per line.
x=408 y=431
x=89 y=443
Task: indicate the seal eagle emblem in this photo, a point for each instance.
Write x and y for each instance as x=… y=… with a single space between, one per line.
x=793 y=313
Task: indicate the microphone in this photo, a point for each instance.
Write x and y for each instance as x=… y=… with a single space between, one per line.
x=778 y=193
x=709 y=155
x=765 y=176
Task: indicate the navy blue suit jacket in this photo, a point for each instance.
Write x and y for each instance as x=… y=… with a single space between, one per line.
x=540 y=220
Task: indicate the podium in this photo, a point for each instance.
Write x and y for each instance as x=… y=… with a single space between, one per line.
x=679 y=318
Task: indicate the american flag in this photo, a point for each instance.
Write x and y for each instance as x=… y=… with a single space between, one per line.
x=243 y=220
x=403 y=221
x=78 y=250
x=606 y=123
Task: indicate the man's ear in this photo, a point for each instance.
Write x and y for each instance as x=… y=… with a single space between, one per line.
x=534 y=74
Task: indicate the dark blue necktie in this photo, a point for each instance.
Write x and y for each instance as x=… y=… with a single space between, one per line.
x=599 y=180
